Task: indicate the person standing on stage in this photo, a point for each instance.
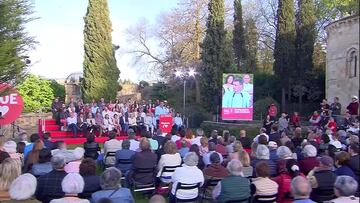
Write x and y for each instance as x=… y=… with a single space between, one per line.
x=160 y=110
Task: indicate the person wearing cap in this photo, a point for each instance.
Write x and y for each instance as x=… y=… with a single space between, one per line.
x=262 y=154
x=322 y=180
x=353 y=107
x=272 y=147
x=189 y=173
x=238 y=98
x=309 y=161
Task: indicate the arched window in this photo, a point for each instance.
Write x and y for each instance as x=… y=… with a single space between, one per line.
x=352 y=60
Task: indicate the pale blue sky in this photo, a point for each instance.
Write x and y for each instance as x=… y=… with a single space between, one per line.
x=59 y=31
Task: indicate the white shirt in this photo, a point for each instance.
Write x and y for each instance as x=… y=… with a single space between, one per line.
x=256 y=139
x=70 y=120
x=188 y=175
x=148 y=120
x=134 y=145
x=168 y=160
x=196 y=141
x=178 y=121
x=112 y=145
x=175 y=138
x=206 y=158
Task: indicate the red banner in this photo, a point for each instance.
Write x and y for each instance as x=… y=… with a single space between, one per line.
x=11 y=104
x=237 y=113
x=165 y=123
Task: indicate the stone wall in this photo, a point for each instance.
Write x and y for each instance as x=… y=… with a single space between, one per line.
x=26 y=122
x=342 y=47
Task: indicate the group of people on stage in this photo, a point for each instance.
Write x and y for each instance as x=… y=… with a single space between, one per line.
x=237 y=92
x=102 y=117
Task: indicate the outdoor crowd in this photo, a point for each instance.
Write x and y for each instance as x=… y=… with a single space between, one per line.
x=281 y=164
x=100 y=117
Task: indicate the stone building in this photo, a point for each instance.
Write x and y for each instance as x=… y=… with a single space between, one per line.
x=72 y=86
x=342 y=60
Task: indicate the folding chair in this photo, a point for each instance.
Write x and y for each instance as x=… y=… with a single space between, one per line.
x=165 y=178
x=209 y=184
x=265 y=198
x=112 y=161
x=141 y=187
x=183 y=186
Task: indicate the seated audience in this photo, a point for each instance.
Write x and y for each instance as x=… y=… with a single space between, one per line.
x=345 y=188
x=134 y=144
x=49 y=185
x=297 y=139
x=220 y=147
x=141 y=160
x=72 y=185
x=29 y=146
x=44 y=165
x=112 y=145
x=20 y=146
x=284 y=154
x=124 y=154
x=230 y=144
x=273 y=151
x=275 y=134
x=262 y=184
x=212 y=148
x=33 y=156
x=322 y=180
x=153 y=143
x=160 y=138
x=195 y=148
x=198 y=135
x=237 y=149
x=215 y=170
x=110 y=182
x=91 y=147
x=263 y=154
x=300 y=190
x=74 y=165
x=204 y=146
x=247 y=169
x=245 y=141
x=342 y=160
x=25 y=183
x=182 y=175
x=184 y=148
x=91 y=180
x=214 y=137
x=47 y=141
x=284 y=180
x=310 y=160
x=354 y=160
x=10 y=169
x=10 y=148
x=170 y=158
x=234 y=186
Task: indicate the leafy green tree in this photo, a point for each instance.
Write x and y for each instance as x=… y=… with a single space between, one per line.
x=58 y=89
x=251 y=41
x=14 y=40
x=101 y=74
x=285 y=52
x=213 y=57
x=36 y=93
x=239 y=38
x=340 y=8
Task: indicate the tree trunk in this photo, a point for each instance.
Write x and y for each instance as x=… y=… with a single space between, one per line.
x=283 y=101
x=197 y=91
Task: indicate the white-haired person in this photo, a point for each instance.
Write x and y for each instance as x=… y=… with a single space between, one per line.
x=234 y=186
x=74 y=166
x=10 y=148
x=10 y=169
x=300 y=190
x=110 y=182
x=72 y=185
x=262 y=153
x=182 y=175
x=345 y=188
x=310 y=160
x=284 y=153
x=25 y=183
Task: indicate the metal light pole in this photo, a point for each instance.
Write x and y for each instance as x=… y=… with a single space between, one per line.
x=184 y=99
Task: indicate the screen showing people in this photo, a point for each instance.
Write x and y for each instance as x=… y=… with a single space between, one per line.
x=237 y=98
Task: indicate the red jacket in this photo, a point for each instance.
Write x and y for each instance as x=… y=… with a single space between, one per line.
x=295 y=120
x=332 y=126
x=272 y=111
x=353 y=108
x=284 y=190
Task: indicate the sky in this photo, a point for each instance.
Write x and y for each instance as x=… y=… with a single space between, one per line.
x=59 y=33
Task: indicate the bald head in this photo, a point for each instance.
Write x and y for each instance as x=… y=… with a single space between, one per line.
x=300 y=188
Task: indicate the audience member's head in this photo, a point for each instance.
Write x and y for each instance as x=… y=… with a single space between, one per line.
x=78 y=153
x=244 y=159
x=272 y=145
x=112 y=135
x=215 y=158
x=58 y=162
x=72 y=183
x=262 y=152
x=61 y=145
x=90 y=138
x=342 y=158
x=87 y=167
x=45 y=156
x=262 y=169
x=199 y=132
x=309 y=151
x=170 y=147
x=195 y=148
x=38 y=145
x=274 y=128
x=345 y=186
x=237 y=147
x=110 y=179
x=144 y=144
x=157 y=199
x=326 y=162
x=125 y=144
x=234 y=167
x=263 y=140
x=34 y=137
x=212 y=146
x=25 y=183
x=20 y=147
x=10 y=169
x=191 y=159
x=292 y=167
x=300 y=188
x=354 y=149
x=23 y=137
x=242 y=133
x=284 y=152
x=214 y=134
x=204 y=141
x=10 y=147
x=46 y=136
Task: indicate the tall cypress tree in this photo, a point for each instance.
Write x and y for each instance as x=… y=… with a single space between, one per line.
x=285 y=52
x=100 y=71
x=251 y=39
x=305 y=35
x=239 y=38
x=213 y=56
